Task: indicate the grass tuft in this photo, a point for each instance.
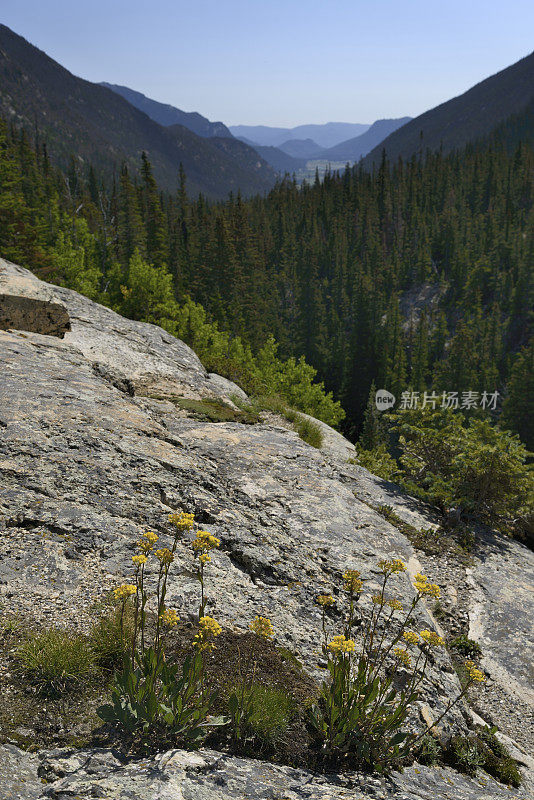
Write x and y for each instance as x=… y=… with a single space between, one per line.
x=56 y=660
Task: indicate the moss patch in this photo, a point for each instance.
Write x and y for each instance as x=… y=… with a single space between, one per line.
x=210 y=409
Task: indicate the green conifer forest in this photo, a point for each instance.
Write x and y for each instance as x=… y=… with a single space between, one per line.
x=415 y=276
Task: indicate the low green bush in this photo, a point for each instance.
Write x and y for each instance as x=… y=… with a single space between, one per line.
x=482 y=750
x=379 y=462
x=466 y=468
x=465 y=645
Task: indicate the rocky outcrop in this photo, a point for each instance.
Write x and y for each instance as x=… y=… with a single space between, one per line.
x=93 y=451
x=207 y=775
x=29 y=305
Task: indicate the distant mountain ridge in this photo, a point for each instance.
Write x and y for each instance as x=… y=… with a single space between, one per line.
x=327 y=135
x=166 y=114
x=302 y=148
x=354 y=149
x=169 y=116
x=468 y=117
x=94 y=124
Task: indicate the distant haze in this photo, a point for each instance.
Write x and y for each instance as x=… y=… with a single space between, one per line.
x=324 y=135
x=282 y=63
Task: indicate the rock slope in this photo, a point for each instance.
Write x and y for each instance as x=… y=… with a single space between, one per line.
x=94 y=449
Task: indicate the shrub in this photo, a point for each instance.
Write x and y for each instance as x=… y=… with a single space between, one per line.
x=259 y=374
x=470 y=468
x=466 y=646
x=482 y=750
x=379 y=462
x=56 y=660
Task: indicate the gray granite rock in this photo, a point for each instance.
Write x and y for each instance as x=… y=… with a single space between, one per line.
x=18 y=774
x=207 y=775
x=30 y=305
x=90 y=457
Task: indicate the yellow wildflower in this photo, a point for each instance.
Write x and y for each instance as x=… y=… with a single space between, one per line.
x=262 y=626
x=391 y=566
x=432 y=638
x=411 y=637
x=204 y=558
x=124 y=591
x=394 y=604
x=208 y=629
x=147 y=541
x=204 y=542
x=183 y=521
x=340 y=644
x=403 y=656
x=139 y=559
x=352 y=581
x=164 y=555
x=169 y=617
x=325 y=600
x=473 y=672
x=377 y=599
x=424 y=587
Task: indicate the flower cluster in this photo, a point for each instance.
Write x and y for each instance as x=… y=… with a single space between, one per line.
x=391 y=566
x=411 y=637
x=139 y=559
x=352 y=581
x=377 y=599
x=432 y=638
x=473 y=672
x=204 y=542
x=262 y=626
x=147 y=541
x=124 y=591
x=325 y=600
x=394 y=604
x=169 y=617
x=424 y=587
x=208 y=629
x=340 y=644
x=403 y=656
x=164 y=556
x=182 y=521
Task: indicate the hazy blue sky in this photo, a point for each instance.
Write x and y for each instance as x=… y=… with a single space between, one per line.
x=283 y=62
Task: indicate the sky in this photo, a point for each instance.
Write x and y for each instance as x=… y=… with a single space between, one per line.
x=282 y=62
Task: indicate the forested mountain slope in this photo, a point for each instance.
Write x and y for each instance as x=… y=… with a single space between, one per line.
x=354 y=149
x=465 y=118
x=165 y=114
x=91 y=124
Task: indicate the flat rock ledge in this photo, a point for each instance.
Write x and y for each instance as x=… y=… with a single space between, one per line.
x=208 y=775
